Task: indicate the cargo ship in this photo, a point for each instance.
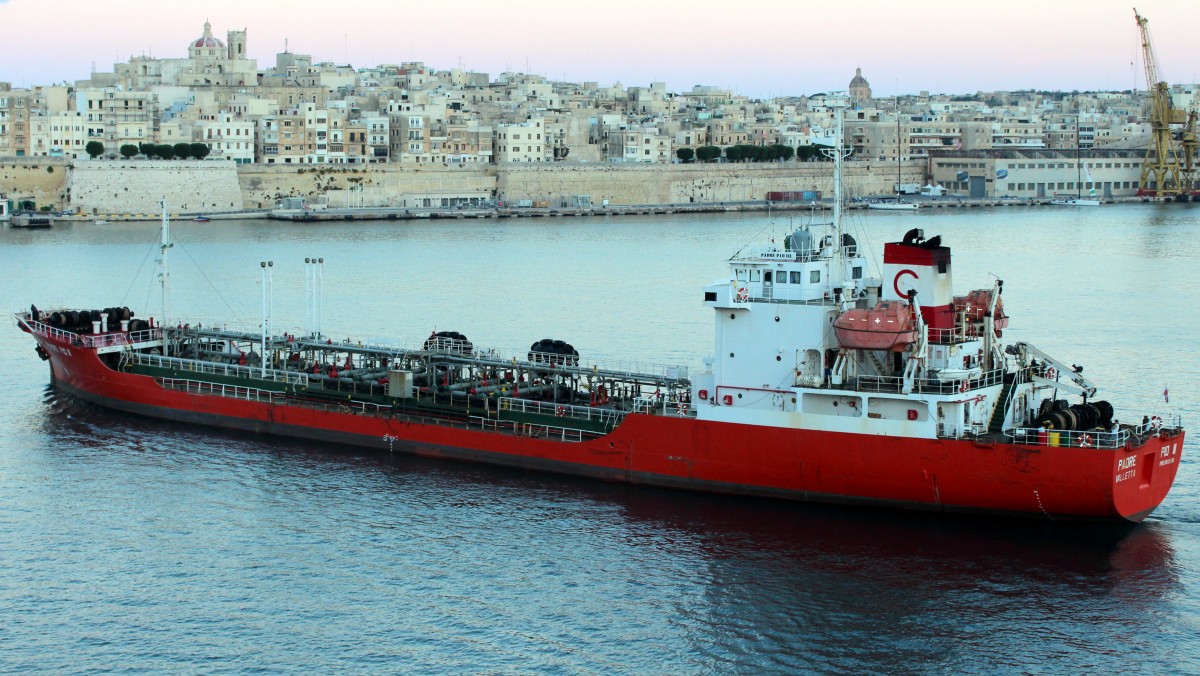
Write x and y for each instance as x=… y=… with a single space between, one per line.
x=826 y=384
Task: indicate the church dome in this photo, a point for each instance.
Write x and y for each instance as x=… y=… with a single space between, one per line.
x=858 y=80
x=207 y=40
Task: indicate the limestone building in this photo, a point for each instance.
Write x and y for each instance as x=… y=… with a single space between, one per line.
x=210 y=62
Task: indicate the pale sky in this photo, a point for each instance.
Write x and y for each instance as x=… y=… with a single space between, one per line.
x=758 y=48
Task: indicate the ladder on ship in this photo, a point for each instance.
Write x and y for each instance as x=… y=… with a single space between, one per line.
x=997 y=423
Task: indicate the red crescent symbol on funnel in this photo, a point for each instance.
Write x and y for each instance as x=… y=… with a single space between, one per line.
x=896 y=282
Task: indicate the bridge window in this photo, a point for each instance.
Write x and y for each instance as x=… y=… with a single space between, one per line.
x=741 y=275
x=755 y=275
x=814 y=277
x=797 y=277
x=856 y=272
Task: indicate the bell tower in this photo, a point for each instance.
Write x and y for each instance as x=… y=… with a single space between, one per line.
x=236 y=41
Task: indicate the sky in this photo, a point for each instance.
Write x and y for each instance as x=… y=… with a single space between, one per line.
x=759 y=48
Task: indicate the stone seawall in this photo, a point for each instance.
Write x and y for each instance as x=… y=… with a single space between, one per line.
x=365 y=185
x=41 y=180
x=136 y=186
x=406 y=186
x=693 y=183
x=210 y=186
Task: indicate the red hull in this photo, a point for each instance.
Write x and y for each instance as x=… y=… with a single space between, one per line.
x=933 y=474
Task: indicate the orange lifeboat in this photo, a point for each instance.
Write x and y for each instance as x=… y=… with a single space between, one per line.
x=889 y=326
x=975 y=304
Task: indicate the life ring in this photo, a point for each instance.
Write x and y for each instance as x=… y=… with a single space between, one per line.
x=560 y=411
x=1156 y=423
x=681 y=408
x=1085 y=441
x=1052 y=373
x=743 y=294
x=964 y=386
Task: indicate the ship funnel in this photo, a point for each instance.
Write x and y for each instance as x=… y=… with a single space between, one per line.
x=917 y=264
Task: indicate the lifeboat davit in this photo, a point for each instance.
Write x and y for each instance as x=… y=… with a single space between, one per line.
x=889 y=326
x=974 y=306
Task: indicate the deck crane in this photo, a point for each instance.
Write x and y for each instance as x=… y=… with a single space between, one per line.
x=1168 y=170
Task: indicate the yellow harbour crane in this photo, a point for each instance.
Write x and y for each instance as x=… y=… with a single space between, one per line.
x=1168 y=170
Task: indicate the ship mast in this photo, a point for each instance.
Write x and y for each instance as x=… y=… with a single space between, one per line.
x=837 y=154
x=164 y=274
x=267 y=301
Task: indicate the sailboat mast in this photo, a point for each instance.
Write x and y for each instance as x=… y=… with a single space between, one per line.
x=1079 y=186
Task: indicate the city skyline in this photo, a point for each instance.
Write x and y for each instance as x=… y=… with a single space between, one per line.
x=961 y=51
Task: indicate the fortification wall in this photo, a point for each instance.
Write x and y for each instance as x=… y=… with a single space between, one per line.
x=136 y=186
x=208 y=186
x=690 y=183
x=40 y=179
x=366 y=185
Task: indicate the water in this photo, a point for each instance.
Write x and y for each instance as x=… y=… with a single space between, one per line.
x=143 y=546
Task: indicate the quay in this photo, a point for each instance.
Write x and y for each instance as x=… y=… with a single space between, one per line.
x=318 y=215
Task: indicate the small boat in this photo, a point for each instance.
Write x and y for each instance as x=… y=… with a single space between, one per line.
x=32 y=221
x=202 y=219
x=1077 y=200
x=896 y=203
x=100 y=221
x=893 y=204
x=1068 y=201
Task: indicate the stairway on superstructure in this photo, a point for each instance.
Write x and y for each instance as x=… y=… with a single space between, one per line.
x=997 y=423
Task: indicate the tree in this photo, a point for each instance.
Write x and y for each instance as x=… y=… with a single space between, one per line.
x=182 y=150
x=707 y=153
x=809 y=152
x=734 y=153
x=129 y=150
x=200 y=150
x=165 y=151
x=94 y=149
x=685 y=154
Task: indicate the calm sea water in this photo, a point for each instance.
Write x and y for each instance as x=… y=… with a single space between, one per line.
x=141 y=546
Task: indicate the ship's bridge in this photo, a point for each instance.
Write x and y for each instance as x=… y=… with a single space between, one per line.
x=795 y=272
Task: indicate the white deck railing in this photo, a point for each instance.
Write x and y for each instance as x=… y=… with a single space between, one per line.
x=214 y=368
